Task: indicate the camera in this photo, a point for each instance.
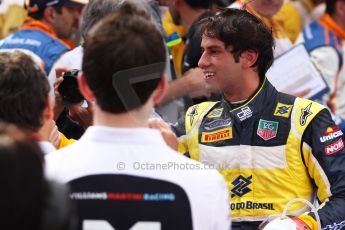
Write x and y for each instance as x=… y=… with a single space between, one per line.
x=69 y=88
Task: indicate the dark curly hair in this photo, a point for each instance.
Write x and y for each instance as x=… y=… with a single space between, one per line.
x=241 y=31
x=24 y=91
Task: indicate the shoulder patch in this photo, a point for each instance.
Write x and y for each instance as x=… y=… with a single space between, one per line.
x=283 y=110
x=305 y=113
x=193 y=113
x=215 y=113
x=335 y=147
x=196 y=113
x=331 y=133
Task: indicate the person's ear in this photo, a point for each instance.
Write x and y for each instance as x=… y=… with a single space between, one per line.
x=340 y=8
x=248 y=58
x=48 y=113
x=49 y=15
x=159 y=92
x=84 y=87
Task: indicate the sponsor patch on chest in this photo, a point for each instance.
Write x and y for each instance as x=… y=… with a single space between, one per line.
x=218 y=135
x=245 y=113
x=267 y=129
x=215 y=124
x=282 y=110
x=216 y=113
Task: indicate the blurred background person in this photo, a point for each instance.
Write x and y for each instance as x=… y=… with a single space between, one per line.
x=12 y=16
x=27 y=199
x=47 y=30
x=176 y=33
x=324 y=39
x=186 y=14
x=309 y=9
x=73 y=118
x=269 y=12
x=25 y=101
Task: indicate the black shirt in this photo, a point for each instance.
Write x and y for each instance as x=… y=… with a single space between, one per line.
x=193 y=52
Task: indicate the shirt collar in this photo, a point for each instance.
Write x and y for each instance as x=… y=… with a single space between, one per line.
x=122 y=135
x=46 y=147
x=254 y=104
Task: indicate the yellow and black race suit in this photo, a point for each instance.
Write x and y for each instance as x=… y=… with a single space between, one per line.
x=271 y=149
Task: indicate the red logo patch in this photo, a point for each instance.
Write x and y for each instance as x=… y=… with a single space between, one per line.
x=218 y=135
x=332 y=129
x=335 y=147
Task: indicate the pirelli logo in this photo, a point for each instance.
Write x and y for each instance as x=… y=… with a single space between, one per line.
x=218 y=135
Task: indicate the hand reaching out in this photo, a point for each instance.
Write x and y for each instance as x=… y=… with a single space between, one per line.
x=168 y=135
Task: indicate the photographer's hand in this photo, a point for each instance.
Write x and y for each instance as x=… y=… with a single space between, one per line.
x=83 y=116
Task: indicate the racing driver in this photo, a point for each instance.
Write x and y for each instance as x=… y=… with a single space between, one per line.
x=270 y=147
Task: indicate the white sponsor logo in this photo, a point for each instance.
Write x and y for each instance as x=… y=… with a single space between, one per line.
x=217 y=124
x=21 y=41
x=335 y=226
x=245 y=113
x=331 y=136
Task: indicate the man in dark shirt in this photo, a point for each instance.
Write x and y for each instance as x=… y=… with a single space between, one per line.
x=188 y=13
